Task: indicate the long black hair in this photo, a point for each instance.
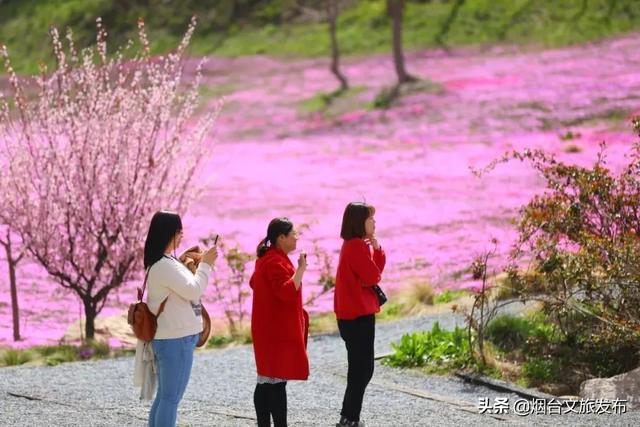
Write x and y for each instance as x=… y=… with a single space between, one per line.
x=355 y=215
x=164 y=226
x=277 y=227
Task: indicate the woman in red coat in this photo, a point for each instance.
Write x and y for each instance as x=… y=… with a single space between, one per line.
x=279 y=325
x=355 y=303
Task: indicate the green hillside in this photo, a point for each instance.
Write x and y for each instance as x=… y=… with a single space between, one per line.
x=296 y=28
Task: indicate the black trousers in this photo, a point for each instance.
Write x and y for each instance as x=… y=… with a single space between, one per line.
x=358 y=335
x=270 y=400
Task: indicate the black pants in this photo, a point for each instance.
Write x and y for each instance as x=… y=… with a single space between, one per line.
x=358 y=335
x=270 y=400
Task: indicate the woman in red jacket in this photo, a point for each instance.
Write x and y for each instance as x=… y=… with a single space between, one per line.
x=355 y=303
x=279 y=325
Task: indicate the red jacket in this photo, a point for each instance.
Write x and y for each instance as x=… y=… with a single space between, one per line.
x=279 y=325
x=357 y=272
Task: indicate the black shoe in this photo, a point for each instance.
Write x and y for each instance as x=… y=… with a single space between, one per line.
x=344 y=422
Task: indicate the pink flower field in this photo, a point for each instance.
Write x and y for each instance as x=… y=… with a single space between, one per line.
x=412 y=161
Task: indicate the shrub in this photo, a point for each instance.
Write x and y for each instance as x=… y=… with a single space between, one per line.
x=421 y=293
x=437 y=349
x=538 y=370
x=509 y=332
x=583 y=237
x=230 y=283
x=327 y=279
x=506 y=287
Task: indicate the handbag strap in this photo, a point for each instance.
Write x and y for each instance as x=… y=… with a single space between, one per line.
x=144 y=288
x=144 y=285
x=162 y=306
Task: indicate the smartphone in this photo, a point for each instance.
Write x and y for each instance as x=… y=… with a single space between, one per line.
x=215 y=241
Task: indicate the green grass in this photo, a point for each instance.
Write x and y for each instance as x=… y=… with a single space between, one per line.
x=63 y=354
x=392 y=310
x=54 y=355
x=332 y=103
x=320 y=323
x=572 y=148
x=569 y=135
x=362 y=29
x=10 y=357
x=219 y=341
x=44 y=350
x=448 y=295
x=100 y=349
x=217 y=91
x=613 y=115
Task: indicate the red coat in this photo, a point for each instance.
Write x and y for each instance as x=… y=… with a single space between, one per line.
x=357 y=272
x=279 y=325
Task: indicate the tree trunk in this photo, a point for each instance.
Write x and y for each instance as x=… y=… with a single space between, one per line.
x=89 y=318
x=332 y=14
x=15 y=309
x=13 y=287
x=395 y=8
x=446 y=26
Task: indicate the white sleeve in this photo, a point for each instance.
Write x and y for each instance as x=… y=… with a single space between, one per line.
x=180 y=280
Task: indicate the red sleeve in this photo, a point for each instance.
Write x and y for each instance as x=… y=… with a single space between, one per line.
x=380 y=258
x=363 y=265
x=252 y=279
x=280 y=280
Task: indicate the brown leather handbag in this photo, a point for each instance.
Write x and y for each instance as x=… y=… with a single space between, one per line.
x=206 y=327
x=143 y=322
x=191 y=259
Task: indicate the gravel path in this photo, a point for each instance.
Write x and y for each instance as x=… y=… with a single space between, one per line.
x=220 y=392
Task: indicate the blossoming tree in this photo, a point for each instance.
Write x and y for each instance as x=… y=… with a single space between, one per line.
x=93 y=149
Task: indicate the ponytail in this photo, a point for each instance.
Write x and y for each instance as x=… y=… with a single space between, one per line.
x=263 y=247
x=277 y=227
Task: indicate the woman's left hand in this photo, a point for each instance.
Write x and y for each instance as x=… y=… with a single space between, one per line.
x=193 y=252
x=191 y=258
x=373 y=242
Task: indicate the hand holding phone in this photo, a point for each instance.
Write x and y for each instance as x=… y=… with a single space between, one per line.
x=302 y=261
x=210 y=255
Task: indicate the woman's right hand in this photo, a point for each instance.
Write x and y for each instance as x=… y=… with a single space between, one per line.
x=210 y=255
x=302 y=261
x=302 y=266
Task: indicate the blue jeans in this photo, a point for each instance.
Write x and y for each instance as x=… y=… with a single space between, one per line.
x=174 y=358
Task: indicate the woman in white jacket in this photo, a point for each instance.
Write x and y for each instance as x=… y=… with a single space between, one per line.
x=173 y=286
